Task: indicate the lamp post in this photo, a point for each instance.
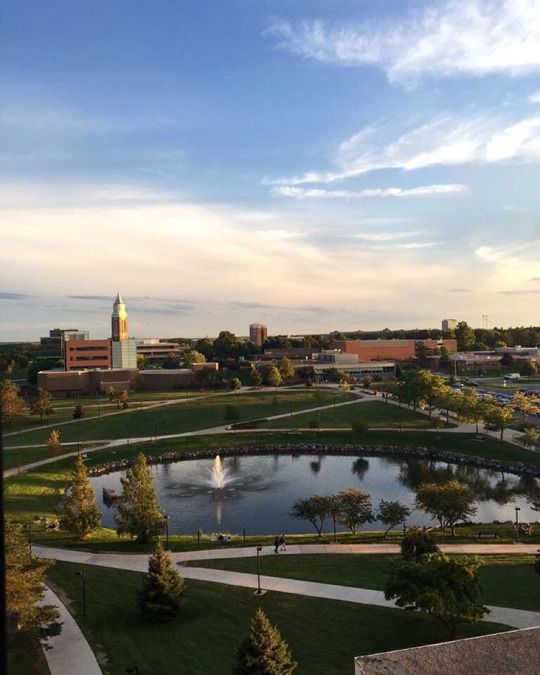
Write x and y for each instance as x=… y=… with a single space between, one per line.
x=83 y=579
x=259 y=590
x=166 y=531
x=518 y=509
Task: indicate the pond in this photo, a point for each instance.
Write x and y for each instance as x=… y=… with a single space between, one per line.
x=259 y=490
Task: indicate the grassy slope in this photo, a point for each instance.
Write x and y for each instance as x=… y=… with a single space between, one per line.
x=508 y=581
x=374 y=414
x=324 y=635
x=26 y=658
x=189 y=416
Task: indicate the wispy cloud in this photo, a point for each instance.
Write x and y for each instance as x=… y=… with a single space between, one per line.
x=421 y=191
x=278 y=235
x=452 y=38
x=12 y=296
x=520 y=291
x=442 y=141
x=535 y=97
x=459 y=290
x=384 y=236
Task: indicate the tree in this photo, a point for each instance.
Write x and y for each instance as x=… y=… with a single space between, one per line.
x=79 y=513
x=205 y=346
x=25 y=587
x=172 y=362
x=530 y=438
x=264 y=652
x=12 y=405
x=498 y=417
x=122 y=399
x=137 y=510
x=162 y=588
x=446 y=588
x=142 y=362
x=465 y=337
x=522 y=404
x=448 y=502
x=392 y=514
x=236 y=384
x=273 y=377
x=41 y=404
x=529 y=369
x=419 y=385
x=231 y=414
x=53 y=442
x=78 y=412
x=354 y=509
x=314 y=509
x=470 y=407
x=286 y=368
x=417 y=544
x=192 y=357
x=256 y=377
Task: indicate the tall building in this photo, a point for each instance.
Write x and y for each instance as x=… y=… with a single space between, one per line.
x=53 y=347
x=449 y=325
x=124 y=348
x=258 y=333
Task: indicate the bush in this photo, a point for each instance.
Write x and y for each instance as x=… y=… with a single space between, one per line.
x=359 y=427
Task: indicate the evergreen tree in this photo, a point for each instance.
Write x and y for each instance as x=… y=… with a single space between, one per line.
x=78 y=412
x=53 y=442
x=137 y=511
x=11 y=404
x=162 y=588
x=42 y=404
x=24 y=587
x=79 y=513
x=264 y=652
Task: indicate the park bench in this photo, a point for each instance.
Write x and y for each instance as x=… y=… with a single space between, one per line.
x=484 y=535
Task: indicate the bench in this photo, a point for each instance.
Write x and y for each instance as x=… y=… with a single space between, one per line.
x=484 y=535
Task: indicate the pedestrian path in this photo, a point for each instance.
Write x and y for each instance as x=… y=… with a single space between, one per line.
x=517 y=618
x=70 y=651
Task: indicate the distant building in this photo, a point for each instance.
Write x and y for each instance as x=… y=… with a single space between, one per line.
x=52 y=347
x=87 y=355
x=393 y=350
x=155 y=350
x=449 y=325
x=124 y=348
x=258 y=333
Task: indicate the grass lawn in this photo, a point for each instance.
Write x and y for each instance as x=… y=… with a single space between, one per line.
x=374 y=414
x=323 y=635
x=188 y=416
x=26 y=658
x=508 y=581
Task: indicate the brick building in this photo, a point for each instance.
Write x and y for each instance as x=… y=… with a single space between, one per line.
x=393 y=350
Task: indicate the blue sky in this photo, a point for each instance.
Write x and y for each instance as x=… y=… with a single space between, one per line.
x=311 y=165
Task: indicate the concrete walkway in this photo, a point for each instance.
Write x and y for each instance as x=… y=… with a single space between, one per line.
x=139 y=563
x=70 y=651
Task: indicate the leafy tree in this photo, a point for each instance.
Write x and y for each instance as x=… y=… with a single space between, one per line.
x=122 y=400
x=417 y=544
x=231 y=414
x=465 y=337
x=446 y=588
x=162 y=588
x=78 y=412
x=142 y=362
x=530 y=438
x=53 y=442
x=172 y=362
x=42 y=404
x=392 y=514
x=79 y=513
x=529 y=369
x=264 y=652
x=417 y=386
x=11 y=404
x=470 y=406
x=273 y=377
x=25 y=587
x=448 y=502
x=354 y=509
x=522 y=404
x=498 y=417
x=314 y=509
x=236 y=384
x=286 y=368
x=205 y=346
x=137 y=510
x=367 y=381
x=256 y=377
x=193 y=356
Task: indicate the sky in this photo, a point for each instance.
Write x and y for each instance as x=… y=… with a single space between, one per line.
x=312 y=165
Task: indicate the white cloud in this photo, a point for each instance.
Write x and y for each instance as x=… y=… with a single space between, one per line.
x=441 y=141
x=421 y=191
x=278 y=235
x=454 y=37
x=535 y=97
x=384 y=236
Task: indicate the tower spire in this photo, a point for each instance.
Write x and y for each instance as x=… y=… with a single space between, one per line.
x=119 y=323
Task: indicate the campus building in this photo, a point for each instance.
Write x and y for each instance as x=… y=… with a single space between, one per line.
x=258 y=333
x=449 y=325
x=124 y=348
x=155 y=350
x=391 y=350
x=53 y=346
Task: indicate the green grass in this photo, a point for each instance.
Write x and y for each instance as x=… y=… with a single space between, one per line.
x=26 y=657
x=189 y=416
x=323 y=635
x=374 y=414
x=508 y=581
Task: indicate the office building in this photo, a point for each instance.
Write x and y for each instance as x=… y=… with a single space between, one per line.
x=449 y=325
x=392 y=350
x=258 y=333
x=53 y=346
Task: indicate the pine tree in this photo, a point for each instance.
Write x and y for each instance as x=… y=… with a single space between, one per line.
x=137 y=511
x=162 y=588
x=53 y=442
x=24 y=587
x=11 y=404
x=79 y=513
x=264 y=652
x=42 y=404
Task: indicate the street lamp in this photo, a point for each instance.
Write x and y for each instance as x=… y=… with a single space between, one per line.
x=83 y=579
x=518 y=509
x=259 y=590
x=166 y=531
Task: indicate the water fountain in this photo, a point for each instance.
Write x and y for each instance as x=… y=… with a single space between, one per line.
x=219 y=476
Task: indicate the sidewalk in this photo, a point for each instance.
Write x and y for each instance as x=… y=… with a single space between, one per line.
x=70 y=651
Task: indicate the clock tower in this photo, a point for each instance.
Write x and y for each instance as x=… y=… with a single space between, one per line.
x=119 y=320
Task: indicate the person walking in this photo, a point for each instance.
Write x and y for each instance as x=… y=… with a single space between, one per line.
x=282 y=543
x=276 y=544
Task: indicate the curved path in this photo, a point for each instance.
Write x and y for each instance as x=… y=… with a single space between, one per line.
x=517 y=618
x=69 y=652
